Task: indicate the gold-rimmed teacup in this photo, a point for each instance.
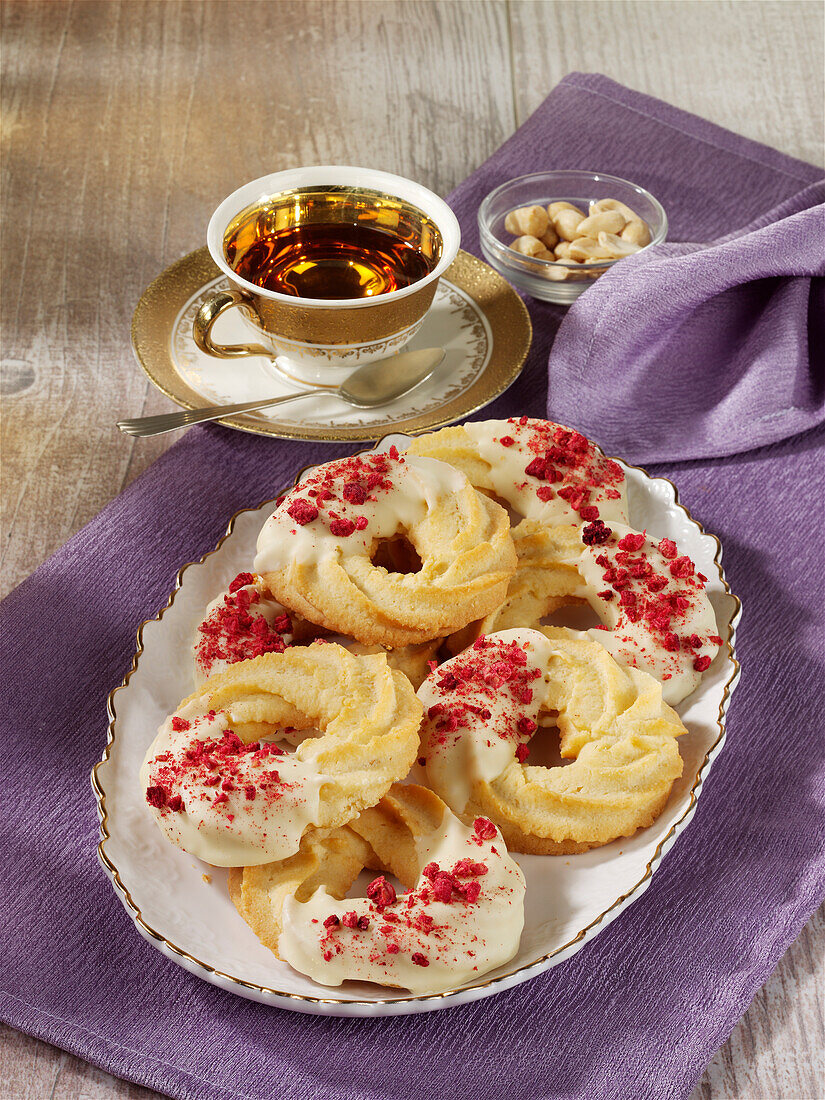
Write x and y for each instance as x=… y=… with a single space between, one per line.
x=320 y=340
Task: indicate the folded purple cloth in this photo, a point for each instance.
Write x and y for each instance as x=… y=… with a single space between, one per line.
x=693 y=351
x=639 y=1011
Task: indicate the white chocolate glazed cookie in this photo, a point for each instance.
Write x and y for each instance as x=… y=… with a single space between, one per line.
x=461 y=916
x=653 y=604
x=651 y=600
x=315 y=552
x=220 y=792
x=542 y=470
x=241 y=623
x=484 y=706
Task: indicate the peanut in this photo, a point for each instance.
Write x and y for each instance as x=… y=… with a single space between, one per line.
x=600 y=206
x=585 y=249
x=566 y=223
x=528 y=221
x=529 y=245
x=637 y=232
x=562 y=250
x=556 y=208
x=636 y=229
x=556 y=274
x=550 y=239
x=610 y=221
x=615 y=247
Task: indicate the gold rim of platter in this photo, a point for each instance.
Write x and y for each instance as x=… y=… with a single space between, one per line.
x=567 y=948
x=162 y=301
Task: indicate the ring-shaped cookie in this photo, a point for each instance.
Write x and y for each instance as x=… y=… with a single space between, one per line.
x=484 y=706
x=461 y=915
x=541 y=470
x=316 y=551
x=219 y=791
x=651 y=600
x=244 y=621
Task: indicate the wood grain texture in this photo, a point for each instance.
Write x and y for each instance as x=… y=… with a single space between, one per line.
x=753 y=66
x=124 y=124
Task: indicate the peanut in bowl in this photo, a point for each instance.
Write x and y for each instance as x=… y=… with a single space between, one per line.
x=557 y=261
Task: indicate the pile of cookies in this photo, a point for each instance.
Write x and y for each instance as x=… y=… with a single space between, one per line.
x=369 y=693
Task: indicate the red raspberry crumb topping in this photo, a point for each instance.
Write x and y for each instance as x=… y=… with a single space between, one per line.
x=332 y=921
x=596 y=533
x=589 y=512
x=241 y=581
x=350 y=920
x=522 y=752
x=471 y=891
x=157 y=796
x=180 y=724
x=667 y=548
x=507 y=441
x=420 y=960
x=681 y=567
x=342 y=528
x=442 y=885
x=544 y=493
x=431 y=870
x=702 y=664
x=633 y=541
x=484 y=828
x=392 y=949
x=469 y=868
x=302 y=511
x=381 y=893
x=354 y=493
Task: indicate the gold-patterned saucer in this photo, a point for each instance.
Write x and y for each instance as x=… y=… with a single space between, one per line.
x=476 y=317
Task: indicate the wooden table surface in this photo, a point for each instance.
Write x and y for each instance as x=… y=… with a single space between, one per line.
x=125 y=123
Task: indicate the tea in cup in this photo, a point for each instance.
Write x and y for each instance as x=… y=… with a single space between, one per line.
x=330 y=267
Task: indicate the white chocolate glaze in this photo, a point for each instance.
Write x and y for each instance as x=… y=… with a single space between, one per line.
x=480 y=735
x=239 y=624
x=418 y=942
x=656 y=614
x=240 y=807
x=481 y=740
x=404 y=489
x=574 y=467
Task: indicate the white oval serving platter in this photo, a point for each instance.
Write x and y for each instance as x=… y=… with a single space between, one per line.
x=181 y=906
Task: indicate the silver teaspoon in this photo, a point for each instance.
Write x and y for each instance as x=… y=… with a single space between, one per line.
x=370 y=386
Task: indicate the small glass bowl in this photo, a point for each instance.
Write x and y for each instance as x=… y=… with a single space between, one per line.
x=535 y=276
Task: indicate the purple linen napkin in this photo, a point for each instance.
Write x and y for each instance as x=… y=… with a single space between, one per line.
x=639 y=1011
x=694 y=351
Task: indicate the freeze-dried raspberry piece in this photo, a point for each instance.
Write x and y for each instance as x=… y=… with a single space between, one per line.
x=342 y=528
x=302 y=511
x=632 y=541
x=596 y=533
x=381 y=893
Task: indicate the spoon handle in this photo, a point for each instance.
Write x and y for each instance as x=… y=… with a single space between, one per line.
x=167 y=422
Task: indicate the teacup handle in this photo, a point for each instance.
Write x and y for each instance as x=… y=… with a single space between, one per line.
x=208 y=314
